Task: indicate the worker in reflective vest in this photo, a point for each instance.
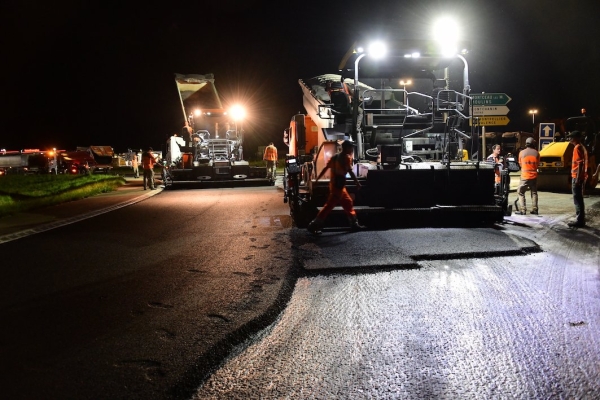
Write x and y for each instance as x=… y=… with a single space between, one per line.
x=148 y=162
x=579 y=166
x=529 y=159
x=494 y=159
x=270 y=156
x=340 y=165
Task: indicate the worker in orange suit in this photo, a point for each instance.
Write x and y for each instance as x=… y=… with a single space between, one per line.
x=340 y=165
x=579 y=167
x=495 y=160
x=529 y=159
x=148 y=161
x=270 y=156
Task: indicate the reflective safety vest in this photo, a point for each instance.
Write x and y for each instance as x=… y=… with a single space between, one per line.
x=492 y=159
x=579 y=157
x=529 y=159
x=340 y=165
x=148 y=161
x=270 y=153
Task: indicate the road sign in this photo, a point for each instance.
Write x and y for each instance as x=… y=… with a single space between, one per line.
x=547 y=130
x=546 y=134
x=490 y=99
x=490 y=110
x=492 y=120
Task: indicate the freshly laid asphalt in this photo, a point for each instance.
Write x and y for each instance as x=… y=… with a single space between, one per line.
x=315 y=253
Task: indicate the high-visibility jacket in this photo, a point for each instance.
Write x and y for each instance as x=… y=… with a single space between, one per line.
x=580 y=157
x=270 y=153
x=339 y=165
x=148 y=160
x=492 y=159
x=529 y=160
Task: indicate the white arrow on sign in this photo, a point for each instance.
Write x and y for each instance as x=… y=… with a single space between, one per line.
x=490 y=110
x=547 y=131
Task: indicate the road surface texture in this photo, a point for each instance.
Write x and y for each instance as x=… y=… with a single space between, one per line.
x=511 y=326
x=212 y=294
x=140 y=302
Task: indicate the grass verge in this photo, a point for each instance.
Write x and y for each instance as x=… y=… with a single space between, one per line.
x=22 y=193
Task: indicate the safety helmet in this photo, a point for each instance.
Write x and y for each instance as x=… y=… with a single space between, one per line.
x=530 y=141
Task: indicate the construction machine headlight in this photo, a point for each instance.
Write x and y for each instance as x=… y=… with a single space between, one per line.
x=559 y=164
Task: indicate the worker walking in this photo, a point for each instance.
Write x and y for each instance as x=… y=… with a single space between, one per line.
x=529 y=159
x=270 y=156
x=148 y=161
x=579 y=166
x=340 y=165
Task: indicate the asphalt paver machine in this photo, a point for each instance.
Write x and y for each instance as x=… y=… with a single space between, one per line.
x=416 y=152
x=209 y=150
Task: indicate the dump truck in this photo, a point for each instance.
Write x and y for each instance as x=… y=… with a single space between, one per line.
x=554 y=170
x=76 y=162
x=27 y=161
x=413 y=145
x=209 y=150
x=102 y=158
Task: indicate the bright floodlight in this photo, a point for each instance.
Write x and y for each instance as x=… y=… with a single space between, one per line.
x=238 y=113
x=446 y=33
x=377 y=50
x=197 y=111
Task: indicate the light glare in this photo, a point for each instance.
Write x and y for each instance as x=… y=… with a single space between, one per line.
x=446 y=33
x=377 y=50
x=238 y=112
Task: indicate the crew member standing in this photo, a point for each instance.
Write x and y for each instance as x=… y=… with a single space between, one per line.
x=270 y=156
x=148 y=161
x=529 y=159
x=579 y=166
x=134 y=165
x=494 y=159
x=340 y=165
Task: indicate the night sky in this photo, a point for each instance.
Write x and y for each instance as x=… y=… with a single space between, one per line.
x=80 y=73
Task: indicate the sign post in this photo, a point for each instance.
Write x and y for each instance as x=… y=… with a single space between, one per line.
x=490 y=110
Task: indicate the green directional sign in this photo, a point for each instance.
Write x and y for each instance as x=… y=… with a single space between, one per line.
x=490 y=99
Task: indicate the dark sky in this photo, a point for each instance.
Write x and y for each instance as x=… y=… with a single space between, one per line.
x=79 y=73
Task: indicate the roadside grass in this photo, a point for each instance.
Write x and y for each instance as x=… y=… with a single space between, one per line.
x=27 y=192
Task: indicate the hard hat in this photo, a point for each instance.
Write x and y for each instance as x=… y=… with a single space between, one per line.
x=574 y=134
x=530 y=140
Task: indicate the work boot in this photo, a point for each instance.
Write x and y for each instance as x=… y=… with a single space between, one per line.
x=534 y=212
x=355 y=225
x=315 y=226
